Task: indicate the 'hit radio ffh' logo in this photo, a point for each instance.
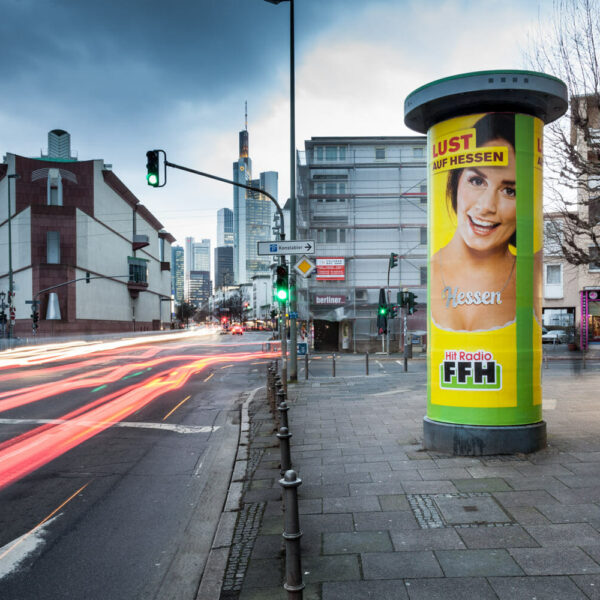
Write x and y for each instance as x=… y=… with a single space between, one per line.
x=470 y=371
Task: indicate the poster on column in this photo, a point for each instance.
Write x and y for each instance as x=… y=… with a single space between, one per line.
x=485 y=218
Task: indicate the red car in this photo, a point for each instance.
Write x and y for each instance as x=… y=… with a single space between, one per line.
x=237 y=329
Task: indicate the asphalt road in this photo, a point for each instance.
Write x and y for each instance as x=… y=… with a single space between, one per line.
x=114 y=466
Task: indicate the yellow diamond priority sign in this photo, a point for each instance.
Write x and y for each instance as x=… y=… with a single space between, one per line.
x=305 y=266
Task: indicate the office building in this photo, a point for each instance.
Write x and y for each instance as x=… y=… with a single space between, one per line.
x=177 y=273
x=225 y=227
x=252 y=215
x=223 y=266
x=361 y=198
x=196 y=259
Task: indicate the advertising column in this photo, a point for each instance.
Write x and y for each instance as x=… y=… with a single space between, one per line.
x=485 y=214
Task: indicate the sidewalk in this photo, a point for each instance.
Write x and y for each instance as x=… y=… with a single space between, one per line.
x=382 y=518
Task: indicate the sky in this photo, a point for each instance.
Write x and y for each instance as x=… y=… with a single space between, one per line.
x=126 y=76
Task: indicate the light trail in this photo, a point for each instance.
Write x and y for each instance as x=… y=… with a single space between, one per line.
x=28 y=452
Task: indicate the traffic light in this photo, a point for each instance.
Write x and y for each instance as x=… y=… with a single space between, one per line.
x=87 y=276
x=393 y=313
x=382 y=312
x=412 y=303
x=401 y=299
x=281 y=283
x=393 y=260
x=152 y=165
x=35 y=317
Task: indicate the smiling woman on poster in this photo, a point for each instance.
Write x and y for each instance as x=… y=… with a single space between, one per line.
x=473 y=278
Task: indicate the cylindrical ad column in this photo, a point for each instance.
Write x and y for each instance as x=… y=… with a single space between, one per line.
x=485 y=217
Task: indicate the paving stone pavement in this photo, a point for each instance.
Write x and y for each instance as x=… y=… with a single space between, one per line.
x=383 y=518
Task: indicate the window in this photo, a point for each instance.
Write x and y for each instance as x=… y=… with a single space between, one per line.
x=138 y=269
x=423 y=234
x=553 y=274
x=418 y=152
x=330 y=189
x=553 y=287
x=331 y=236
x=379 y=153
x=330 y=153
x=423 y=190
x=53 y=247
x=423 y=275
x=595 y=256
x=54 y=189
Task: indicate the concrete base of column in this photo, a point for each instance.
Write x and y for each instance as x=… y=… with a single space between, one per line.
x=479 y=440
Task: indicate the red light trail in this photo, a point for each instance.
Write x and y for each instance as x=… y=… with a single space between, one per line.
x=31 y=450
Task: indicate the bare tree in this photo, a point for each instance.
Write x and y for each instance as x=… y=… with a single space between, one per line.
x=570 y=50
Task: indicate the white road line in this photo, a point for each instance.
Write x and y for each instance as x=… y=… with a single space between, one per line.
x=23 y=547
x=164 y=426
x=390 y=392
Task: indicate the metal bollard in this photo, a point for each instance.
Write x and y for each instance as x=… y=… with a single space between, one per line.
x=367 y=362
x=306 y=366
x=284 y=446
x=333 y=365
x=283 y=411
x=292 y=534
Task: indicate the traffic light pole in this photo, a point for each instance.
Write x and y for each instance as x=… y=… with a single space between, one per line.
x=389 y=304
x=282 y=305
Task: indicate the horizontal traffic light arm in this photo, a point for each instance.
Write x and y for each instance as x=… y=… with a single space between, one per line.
x=247 y=187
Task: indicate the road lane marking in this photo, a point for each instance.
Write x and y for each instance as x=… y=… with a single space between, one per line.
x=163 y=426
x=211 y=375
x=37 y=529
x=226 y=366
x=390 y=392
x=173 y=410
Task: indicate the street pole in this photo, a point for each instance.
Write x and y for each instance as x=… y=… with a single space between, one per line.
x=10 y=271
x=293 y=302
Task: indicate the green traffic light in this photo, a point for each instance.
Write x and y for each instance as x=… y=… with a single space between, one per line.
x=382 y=310
x=282 y=295
x=152 y=179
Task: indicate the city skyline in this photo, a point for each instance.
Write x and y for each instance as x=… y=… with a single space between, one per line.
x=355 y=63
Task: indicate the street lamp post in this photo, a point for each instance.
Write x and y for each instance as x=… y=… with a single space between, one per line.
x=293 y=374
x=10 y=271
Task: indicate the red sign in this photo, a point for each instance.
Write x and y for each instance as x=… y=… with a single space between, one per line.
x=331 y=268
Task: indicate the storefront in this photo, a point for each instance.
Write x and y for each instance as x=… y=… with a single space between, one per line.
x=590 y=317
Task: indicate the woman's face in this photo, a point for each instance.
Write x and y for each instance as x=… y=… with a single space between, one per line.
x=486 y=204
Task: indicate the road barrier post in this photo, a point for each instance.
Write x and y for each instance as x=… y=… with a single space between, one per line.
x=292 y=534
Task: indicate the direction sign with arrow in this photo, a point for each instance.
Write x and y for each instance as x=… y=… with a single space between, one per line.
x=278 y=248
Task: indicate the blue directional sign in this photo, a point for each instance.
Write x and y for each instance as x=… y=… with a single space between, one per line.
x=286 y=247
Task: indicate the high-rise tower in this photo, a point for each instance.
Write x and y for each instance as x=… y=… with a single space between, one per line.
x=252 y=214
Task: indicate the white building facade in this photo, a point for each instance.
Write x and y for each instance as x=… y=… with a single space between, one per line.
x=361 y=199
x=73 y=220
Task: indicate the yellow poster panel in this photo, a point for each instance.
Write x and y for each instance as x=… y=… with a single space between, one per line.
x=473 y=338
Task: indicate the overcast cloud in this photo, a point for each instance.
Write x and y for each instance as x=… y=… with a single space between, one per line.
x=126 y=76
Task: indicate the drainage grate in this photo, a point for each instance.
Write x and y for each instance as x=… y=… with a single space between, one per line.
x=476 y=509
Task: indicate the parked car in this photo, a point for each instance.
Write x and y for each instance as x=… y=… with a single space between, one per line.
x=556 y=336
x=237 y=330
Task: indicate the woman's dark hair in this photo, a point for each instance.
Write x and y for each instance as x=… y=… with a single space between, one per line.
x=493 y=126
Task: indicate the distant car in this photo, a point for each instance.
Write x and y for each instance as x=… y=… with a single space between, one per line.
x=556 y=336
x=237 y=330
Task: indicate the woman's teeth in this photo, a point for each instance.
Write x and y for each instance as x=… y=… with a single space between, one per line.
x=486 y=224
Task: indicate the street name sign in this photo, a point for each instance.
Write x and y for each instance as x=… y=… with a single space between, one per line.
x=278 y=248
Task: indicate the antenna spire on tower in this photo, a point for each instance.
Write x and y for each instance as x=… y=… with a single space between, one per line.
x=246 y=114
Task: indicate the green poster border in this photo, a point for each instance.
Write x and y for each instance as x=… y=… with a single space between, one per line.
x=524 y=142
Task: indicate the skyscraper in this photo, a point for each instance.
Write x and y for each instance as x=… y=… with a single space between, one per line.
x=223 y=266
x=177 y=273
x=224 y=227
x=197 y=260
x=252 y=215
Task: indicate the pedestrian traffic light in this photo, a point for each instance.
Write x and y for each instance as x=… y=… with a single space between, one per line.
x=412 y=301
x=393 y=260
x=152 y=165
x=281 y=283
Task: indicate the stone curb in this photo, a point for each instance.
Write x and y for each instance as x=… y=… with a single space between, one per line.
x=214 y=571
